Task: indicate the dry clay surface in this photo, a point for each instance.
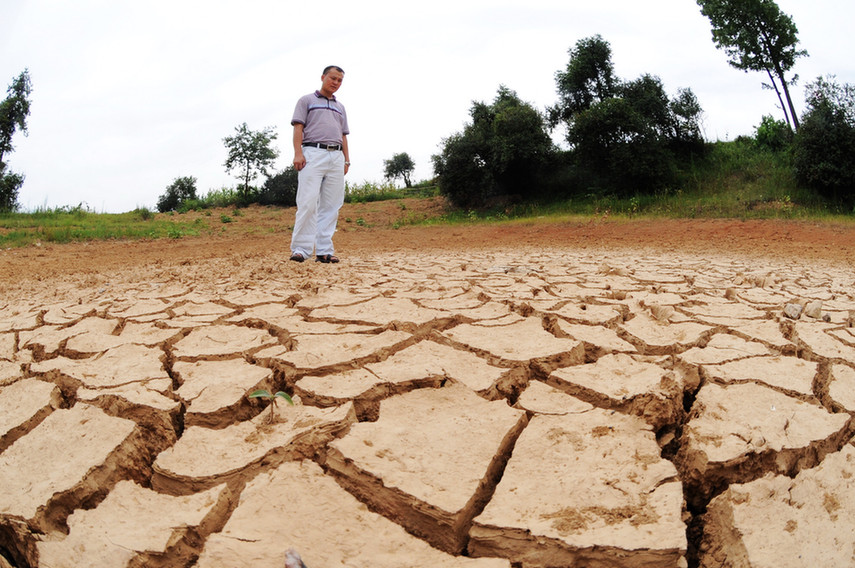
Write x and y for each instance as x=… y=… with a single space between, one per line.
x=528 y=408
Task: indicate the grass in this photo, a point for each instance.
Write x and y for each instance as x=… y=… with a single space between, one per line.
x=67 y=224
x=735 y=180
x=368 y=191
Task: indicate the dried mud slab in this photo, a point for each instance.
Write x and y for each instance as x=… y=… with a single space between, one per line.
x=7 y=346
x=822 y=344
x=841 y=387
x=782 y=522
x=598 y=341
x=9 y=373
x=297 y=506
x=205 y=457
x=379 y=311
x=739 y=432
x=430 y=460
x=724 y=348
x=541 y=398
x=632 y=385
x=92 y=457
x=116 y=366
x=23 y=405
x=19 y=317
x=134 y=526
x=212 y=390
x=654 y=336
x=214 y=341
x=521 y=341
x=586 y=489
x=767 y=332
x=787 y=374
x=428 y=358
x=328 y=350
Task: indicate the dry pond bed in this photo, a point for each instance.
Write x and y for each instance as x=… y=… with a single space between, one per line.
x=526 y=395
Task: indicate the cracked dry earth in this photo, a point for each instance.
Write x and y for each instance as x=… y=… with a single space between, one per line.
x=541 y=407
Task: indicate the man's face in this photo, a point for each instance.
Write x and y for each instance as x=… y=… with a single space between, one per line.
x=331 y=81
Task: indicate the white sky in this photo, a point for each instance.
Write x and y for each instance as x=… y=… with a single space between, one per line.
x=129 y=96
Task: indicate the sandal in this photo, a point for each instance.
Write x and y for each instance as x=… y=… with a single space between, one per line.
x=297 y=257
x=327 y=258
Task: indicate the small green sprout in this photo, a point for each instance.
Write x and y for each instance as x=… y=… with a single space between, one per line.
x=263 y=393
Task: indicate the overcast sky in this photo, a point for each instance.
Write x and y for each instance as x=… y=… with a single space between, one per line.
x=129 y=96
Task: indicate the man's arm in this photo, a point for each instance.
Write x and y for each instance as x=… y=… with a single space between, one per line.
x=299 y=159
x=346 y=151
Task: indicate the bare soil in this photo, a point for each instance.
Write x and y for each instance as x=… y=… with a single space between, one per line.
x=370 y=227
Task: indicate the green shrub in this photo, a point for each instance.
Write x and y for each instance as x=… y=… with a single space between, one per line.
x=280 y=189
x=143 y=213
x=369 y=191
x=180 y=190
x=773 y=134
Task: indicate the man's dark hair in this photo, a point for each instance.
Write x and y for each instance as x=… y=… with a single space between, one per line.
x=328 y=68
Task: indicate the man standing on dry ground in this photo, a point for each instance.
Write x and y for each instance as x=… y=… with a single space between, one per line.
x=321 y=159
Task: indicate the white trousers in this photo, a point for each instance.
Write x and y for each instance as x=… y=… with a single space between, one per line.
x=320 y=195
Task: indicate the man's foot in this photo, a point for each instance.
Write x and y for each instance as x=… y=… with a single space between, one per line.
x=297 y=257
x=327 y=258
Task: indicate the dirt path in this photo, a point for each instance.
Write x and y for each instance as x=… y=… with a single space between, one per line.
x=669 y=393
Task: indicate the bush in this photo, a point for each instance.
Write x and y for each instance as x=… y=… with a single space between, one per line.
x=180 y=190
x=280 y=189
x=773 y=134
x=500 y=155
x=143 y=213
x=10 y=183
x=824 y=146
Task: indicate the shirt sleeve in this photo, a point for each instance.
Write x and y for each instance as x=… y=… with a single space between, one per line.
x=301 y=112
x=345 y=129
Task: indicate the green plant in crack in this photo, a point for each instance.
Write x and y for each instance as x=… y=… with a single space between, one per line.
x=263 y=393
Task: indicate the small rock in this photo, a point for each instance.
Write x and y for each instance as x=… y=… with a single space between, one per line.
x=293 y=560
x=793 y=311
x=813 y=309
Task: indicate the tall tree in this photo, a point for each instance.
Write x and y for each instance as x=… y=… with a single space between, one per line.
x=14 y=111
x=249 y=153
x=757 y=36
x=624 y=135
x=400 y=166
x=588 y=79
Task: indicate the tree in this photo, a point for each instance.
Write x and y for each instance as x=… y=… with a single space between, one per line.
x=757 y=36
x=824 y=147
x=14 y=111
x=179 y=191
x=501 y=153
x=588 y=79
x=624 y=135
x=249 y=153
x=401 y=165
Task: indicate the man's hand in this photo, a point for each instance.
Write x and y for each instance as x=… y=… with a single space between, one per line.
x=297 y=139
x=299 y=161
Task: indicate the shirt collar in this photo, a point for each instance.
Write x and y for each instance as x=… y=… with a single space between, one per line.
x=322 y=96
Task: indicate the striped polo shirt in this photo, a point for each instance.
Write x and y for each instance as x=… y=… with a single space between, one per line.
x=324 y=120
